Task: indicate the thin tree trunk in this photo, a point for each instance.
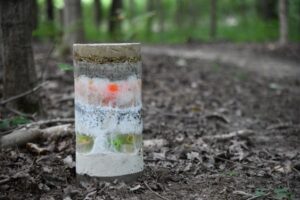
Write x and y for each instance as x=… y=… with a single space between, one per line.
x=131 y=12
x=180 y=13
x=97 y=12
x=193 y=11
x=150 y=9
x=50 y=10
x=61 y=17
x=114 y=21
x=34 y=12
x=283 y=22
x=1 y=65
x=213 y=18
x=266 y=9
x=17 y=56
x=161 y=15
x=73 y=23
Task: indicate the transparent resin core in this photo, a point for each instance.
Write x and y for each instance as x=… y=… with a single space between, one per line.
x=108 y=121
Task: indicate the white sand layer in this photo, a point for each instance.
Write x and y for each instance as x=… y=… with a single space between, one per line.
x=108 y=165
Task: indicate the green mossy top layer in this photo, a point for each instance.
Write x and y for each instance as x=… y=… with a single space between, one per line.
x=107 y=53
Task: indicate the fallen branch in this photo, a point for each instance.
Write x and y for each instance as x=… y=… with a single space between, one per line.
x=38 y=124
x=240 y=133
x=22 y=136
x=5 y=101
x=50 y=121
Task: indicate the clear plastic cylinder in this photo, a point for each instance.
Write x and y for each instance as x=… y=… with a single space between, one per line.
x=108 y=121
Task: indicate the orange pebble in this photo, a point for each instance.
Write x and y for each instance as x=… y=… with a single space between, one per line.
x=113 y=87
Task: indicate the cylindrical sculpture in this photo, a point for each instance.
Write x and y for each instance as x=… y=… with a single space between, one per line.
x=108 y=121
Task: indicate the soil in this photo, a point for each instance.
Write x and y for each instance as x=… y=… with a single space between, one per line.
x=187 y=104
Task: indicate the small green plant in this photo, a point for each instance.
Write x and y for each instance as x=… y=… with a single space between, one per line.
x=4 y=124
x=242 y=76
x=19 y=120
x=282 y=193
x=259 y=192
x=65 y=67
x=216 y=67
x=231 y=173
x=13 y=122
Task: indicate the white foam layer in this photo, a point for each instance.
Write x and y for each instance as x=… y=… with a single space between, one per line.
x=108 y=165
x=97 y=120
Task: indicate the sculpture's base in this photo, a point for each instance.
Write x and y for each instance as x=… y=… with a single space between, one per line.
x=129 y=178
x=109 y=165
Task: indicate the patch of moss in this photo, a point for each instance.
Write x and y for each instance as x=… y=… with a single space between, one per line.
x=126 y=143
x=84 y=143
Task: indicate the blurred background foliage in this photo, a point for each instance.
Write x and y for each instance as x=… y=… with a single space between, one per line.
x=177 y=21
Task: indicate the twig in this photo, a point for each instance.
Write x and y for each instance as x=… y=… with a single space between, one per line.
x=5 y=180
x=20 y=113
x=218 y=117
x=244 y=165
x=165 y=198
x=258 y=196
x=50 y=121
x=296 y=170
x=240 y=133
x=5 y=101
x=243 y=193
x=280 y=126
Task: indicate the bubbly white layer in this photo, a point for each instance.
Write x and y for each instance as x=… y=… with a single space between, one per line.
x=108 y=165
x=100 y=122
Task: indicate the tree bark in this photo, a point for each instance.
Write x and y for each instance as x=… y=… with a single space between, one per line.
x=73 y=24
x=150 y=9
x=34 y=12
x=213 y=18
x=97 y=12
x=193 y=10
x=114 y=21
x=180 y=11
x=283 y=22
x=17 y=55
x=266 y=9
x=50 y=10
x=132 y=13
x=161 y=15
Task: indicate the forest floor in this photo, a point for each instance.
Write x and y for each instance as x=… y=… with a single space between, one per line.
x=216 y=131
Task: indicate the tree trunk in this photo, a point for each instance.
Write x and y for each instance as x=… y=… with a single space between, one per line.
x=180 y=13
x=73 y=24
x=149 y=23
x=193 y=10
x=283 y=22
x=131 y=12
x=50 y=10
x=266 y=9
x=161 y=15
x=97 y=12
x=34 y=12
x=17 y=56
x=114 y=19
x=213 y=18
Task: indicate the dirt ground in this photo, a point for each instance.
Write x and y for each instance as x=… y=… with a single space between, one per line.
x=189 y=108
